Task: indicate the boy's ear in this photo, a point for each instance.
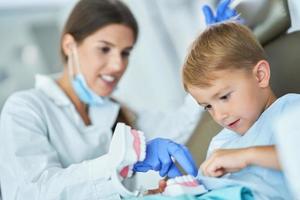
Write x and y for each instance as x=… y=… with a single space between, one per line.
x=67 y=43
x=262 y=73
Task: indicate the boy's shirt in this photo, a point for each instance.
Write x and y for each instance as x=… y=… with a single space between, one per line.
x=266 y=183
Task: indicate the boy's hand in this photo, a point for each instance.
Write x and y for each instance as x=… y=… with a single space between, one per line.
x=224 y=161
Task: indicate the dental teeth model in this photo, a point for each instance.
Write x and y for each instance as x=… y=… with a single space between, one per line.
x=127 y=147
x=184 y=185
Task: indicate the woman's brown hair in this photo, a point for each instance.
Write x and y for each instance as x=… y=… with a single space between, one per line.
x=88 y=16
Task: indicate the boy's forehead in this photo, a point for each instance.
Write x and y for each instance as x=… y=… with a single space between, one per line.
x=224 y=80
x=204 y=94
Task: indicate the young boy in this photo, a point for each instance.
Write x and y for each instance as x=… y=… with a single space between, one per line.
x=227 y=72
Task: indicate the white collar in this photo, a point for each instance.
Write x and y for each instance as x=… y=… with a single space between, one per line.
x=48 y=86
x=104 y=115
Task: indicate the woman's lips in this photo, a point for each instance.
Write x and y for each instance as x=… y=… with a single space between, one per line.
x=108 y=78
x=109 y=81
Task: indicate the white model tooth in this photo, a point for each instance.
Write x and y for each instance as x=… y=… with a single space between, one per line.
x=171 y=181
x=143 y=145
x=176 y=180
x=143 y=141
x=130 y=171
x=130 y=141
x=185 y=179
x=190 y=178
x=108 y=78
x=179 y=179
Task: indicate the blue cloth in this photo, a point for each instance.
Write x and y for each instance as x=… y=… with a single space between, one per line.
x=227 y=193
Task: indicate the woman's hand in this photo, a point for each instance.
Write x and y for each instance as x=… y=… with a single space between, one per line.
x=161 y=155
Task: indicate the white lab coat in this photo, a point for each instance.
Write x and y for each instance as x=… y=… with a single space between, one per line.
x=48 y=153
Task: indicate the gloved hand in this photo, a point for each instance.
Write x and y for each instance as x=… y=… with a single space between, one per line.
x=224 y=12
x=159 y=157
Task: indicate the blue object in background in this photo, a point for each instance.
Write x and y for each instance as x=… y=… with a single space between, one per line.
x=223 y=13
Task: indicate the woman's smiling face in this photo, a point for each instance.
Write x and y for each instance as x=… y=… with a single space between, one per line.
x=104 y=56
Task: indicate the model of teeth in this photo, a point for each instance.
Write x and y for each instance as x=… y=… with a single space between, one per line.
x=127 y=147
x=184 y=185
x=139 y=146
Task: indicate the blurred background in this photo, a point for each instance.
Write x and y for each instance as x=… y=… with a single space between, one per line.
x=29 y=44
x=30 y=33
x=29 y=38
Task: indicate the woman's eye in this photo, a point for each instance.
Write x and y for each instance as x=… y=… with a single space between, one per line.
x=104 y=49
x=125 y=54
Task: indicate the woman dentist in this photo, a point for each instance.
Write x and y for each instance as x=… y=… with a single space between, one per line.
x=61 y=139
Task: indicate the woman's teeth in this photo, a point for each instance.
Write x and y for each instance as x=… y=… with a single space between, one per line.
x=108 y=78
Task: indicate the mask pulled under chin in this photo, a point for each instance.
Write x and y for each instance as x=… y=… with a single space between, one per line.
x=82 y=90
x=84 y=93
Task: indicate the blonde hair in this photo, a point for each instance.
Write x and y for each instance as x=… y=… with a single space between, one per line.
x=220 y=47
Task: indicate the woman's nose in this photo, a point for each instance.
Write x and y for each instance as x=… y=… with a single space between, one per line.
x=116 y=62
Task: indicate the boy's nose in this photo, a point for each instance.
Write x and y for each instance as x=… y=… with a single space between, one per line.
x=220 y=115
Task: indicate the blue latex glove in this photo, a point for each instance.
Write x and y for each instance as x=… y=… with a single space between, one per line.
x=224 y=12
x=159 y=154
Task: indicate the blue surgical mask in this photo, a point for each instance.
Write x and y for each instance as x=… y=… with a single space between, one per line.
x=82 y=90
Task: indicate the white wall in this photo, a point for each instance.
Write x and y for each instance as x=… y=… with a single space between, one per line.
x=294 y=6
x=167 y=27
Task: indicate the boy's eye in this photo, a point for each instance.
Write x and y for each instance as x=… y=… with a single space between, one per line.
x=225 y=97
x=208 y=107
